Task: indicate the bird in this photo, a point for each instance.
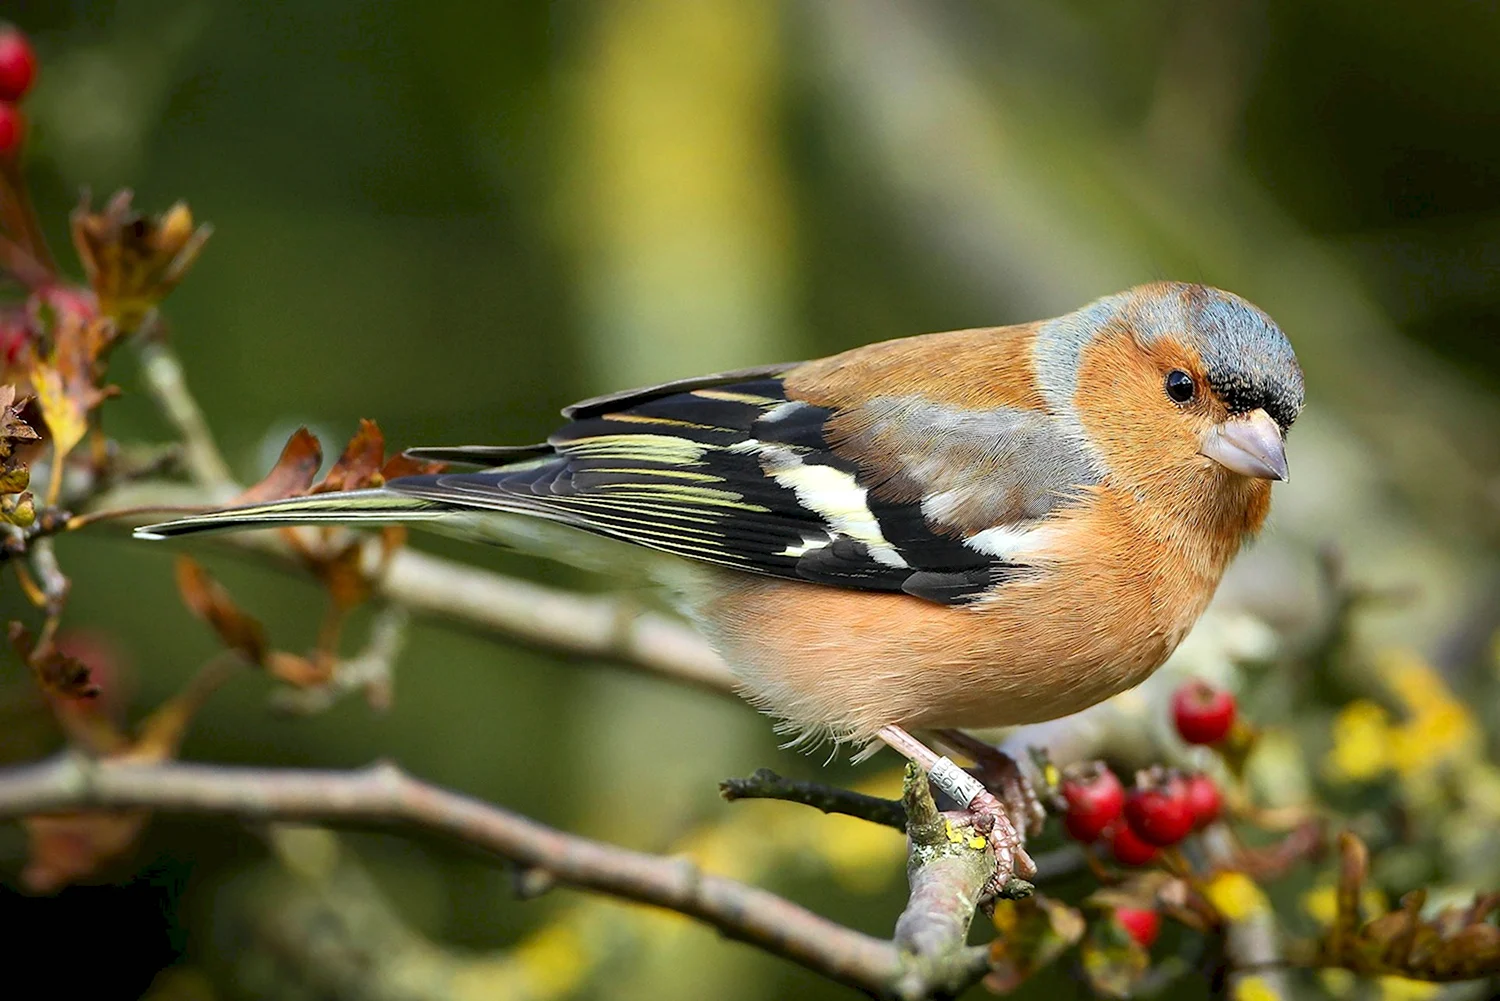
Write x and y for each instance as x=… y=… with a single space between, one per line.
x=974 y=528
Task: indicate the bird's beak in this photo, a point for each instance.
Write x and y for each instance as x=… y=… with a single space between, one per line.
x=1249 y=444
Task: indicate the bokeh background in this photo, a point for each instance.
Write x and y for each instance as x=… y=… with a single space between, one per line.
x=456 y=217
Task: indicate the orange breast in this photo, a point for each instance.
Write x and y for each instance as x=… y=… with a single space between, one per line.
x=1093 y=621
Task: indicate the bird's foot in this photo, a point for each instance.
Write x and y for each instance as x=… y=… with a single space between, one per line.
x=998 y=771
x=991 y=819
x=981 y=809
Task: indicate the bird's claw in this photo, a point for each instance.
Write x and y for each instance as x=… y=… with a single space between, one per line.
x=990 y=818
x=998 y=771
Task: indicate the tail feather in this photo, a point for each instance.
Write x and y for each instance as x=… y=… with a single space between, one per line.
x=352 y=506
x=481 y=455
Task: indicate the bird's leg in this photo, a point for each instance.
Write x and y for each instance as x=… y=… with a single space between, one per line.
x=998 y=770
x=980 y=806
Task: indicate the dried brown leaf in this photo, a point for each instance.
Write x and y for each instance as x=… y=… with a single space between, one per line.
x=300 y=671
x=160 y=734
x=1457 y=944
x=66 y=381
x=402 y=464
x=293 y=473
x=1470 y=953
x=66 y=848
x=1307 y=841
x=360 y=464
x=13 y=429
x=133 y=262
x=1034 y=932
x=342 y=575
x=1144 y=891
x=1354 y=865
x=14 y=479
x=1113 y=962
x=58 y=673
x=66 y=413
x=18 y=509
x=208 y=600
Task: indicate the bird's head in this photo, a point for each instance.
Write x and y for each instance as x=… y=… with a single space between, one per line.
x=1177 y=385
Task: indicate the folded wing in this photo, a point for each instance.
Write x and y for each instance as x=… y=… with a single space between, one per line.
x=737 y=474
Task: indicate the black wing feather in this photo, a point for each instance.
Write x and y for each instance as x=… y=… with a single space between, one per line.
x=700 y=469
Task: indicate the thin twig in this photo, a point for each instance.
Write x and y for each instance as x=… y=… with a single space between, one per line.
x=766 y=784
x=370 y=670
x=164 y=379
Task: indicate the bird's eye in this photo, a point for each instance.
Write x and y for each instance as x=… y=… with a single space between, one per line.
x=1179 y=386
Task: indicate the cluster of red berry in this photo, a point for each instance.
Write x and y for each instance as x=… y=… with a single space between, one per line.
x=17 y=73
x=1164 y=807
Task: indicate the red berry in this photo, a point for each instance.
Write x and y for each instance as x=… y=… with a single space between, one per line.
x=1128 y=848
x=15 y=334
x=1160 y=814
x=1095 y=799
x=12 y=129
x=17 y=65
x=1141 y=925
x=1203 y=713
x=1203 y=799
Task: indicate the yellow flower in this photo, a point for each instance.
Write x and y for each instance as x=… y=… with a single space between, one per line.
x=553 y=960
x=1339 y=983
x=1439 y=729
x=1321 y=903
x=1361 y=743
x=1236 y=896
x=1401 y=989
x=1255 y=989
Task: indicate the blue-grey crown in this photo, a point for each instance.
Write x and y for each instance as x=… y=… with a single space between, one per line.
x=1249 y=362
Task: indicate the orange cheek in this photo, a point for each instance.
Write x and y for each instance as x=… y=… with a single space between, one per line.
x=1123 y=406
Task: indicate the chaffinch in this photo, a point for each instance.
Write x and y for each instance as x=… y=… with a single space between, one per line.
x=973 y=528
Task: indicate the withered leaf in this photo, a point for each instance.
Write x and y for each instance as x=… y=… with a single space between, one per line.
x=14 y=479
x=64 y=848
x=1470 y=953
x=133 y=262
x=1034 y=932
x=65 y=381
x=160 y=734
x=360 y=464
x=208 y=600
x=293 y=473
x=1113 y=962
x=13 y=428
x=1141 y=891
x=300 y=671
x=18 y=509
x=342 y=575
x=1458 y=944
x=402 y=464
x=58 y=673
x=66 y=412
x=1354 y=863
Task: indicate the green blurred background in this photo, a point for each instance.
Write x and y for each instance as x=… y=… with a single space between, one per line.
x=456 y=217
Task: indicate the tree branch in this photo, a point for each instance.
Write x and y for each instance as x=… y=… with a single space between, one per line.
x=926 y=959
x=166 y=383
x=766 y=784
